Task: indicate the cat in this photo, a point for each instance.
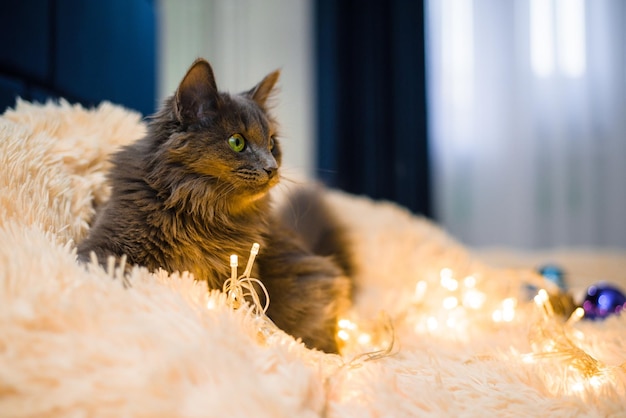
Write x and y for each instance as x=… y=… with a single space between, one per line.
x=195 y=190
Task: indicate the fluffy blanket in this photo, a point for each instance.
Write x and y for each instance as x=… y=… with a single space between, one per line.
x=434 y=330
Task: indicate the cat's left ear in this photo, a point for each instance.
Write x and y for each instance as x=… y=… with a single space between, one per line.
x=262 y=91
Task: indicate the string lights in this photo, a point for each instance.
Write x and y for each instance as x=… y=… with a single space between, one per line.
x=241 y=289
x=554 y=339
x=451 y=306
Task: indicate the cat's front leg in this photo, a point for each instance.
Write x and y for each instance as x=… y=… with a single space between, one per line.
x=308 y=293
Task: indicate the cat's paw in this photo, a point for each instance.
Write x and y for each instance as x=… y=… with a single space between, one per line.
x=309 y=306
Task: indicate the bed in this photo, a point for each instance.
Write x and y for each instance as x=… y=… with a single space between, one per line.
x=437 y=329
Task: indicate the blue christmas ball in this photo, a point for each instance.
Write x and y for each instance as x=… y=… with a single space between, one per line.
x=554 y=274
x=602 y=300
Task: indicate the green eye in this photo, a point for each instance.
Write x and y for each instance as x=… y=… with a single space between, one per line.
x=272 y=143
x=237 y=143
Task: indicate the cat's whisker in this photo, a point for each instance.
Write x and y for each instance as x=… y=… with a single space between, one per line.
x=291 y=181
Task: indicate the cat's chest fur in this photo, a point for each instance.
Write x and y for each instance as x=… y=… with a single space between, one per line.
x=198 y=239
x=203 y=246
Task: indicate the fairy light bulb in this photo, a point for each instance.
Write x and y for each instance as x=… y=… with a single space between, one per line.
x=539 y=300
x=508 y=309
x=364 y=339
x=450 y=303
x=343 y=335
x=576 y=316
x=420 y=290
x=596 y=381
x=496 y=316
x=543 y=301
x=577 y=387
x=350 y=336
x=345 y=327
x=447 y=281
x=346 y=324
x=469 y=282
x=431 y=323
x=473 y=299
x=235 y=293
x=253 y=253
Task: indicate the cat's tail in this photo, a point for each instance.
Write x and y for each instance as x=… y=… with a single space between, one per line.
x=307 y=213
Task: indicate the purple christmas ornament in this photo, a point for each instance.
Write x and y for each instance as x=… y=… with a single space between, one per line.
x=602 y=300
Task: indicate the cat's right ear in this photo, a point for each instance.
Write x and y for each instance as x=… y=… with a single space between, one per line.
x=197 y=95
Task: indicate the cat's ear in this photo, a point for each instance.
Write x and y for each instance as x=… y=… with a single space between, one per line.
x=197 y=94
x=262 y=91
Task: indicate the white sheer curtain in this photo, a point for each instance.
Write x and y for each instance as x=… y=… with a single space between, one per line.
x=528 y=121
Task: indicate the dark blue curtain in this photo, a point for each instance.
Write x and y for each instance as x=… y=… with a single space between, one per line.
x=82 y=50
x=371 y=92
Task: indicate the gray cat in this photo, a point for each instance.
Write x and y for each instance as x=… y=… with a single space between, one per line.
x=194 y=190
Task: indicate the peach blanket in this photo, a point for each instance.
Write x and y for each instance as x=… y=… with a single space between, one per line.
x=435 y=330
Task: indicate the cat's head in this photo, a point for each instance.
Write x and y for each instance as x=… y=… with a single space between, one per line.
x=226 y=140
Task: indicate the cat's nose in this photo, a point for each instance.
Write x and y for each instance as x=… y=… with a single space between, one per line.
x=271 y=171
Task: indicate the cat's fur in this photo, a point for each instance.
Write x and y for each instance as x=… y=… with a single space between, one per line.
x=183 y=200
